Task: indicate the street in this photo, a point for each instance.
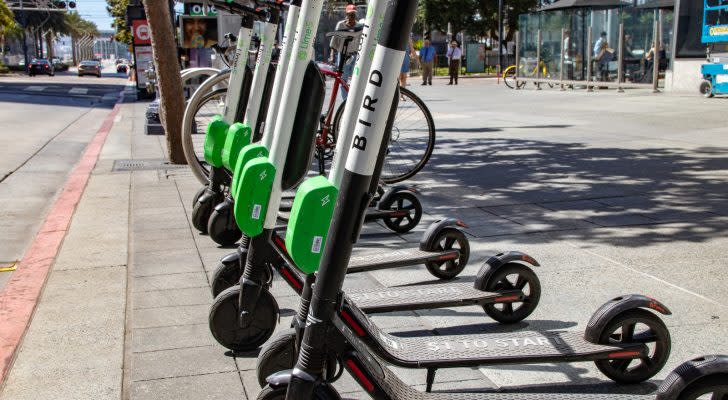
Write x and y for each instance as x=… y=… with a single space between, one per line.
x=47 y=122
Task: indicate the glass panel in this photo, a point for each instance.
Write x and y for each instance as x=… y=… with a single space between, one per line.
x=551 y=45
x=528 y=36
x=638 y=32
x=605 y=24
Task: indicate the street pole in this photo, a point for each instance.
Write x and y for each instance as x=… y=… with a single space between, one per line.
x=500 y=35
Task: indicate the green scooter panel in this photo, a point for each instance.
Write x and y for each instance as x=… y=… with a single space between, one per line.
x=254 y=190
x=238 y=135
x=309 y=223
x=215 y=140
x=248 y=153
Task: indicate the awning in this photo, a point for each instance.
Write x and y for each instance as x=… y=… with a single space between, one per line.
x=561 y=4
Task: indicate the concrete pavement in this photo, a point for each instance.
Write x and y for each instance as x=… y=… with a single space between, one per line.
x=613 y=194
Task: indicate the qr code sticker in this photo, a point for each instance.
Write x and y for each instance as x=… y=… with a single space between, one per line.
x=256 y=211
x=316 y=247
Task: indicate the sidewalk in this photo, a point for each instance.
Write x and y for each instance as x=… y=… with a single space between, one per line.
x=124 y=311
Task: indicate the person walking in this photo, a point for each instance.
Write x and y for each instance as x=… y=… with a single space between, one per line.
x=427 y=60
x=337 y=43
x=404 y=72
x=454 y=55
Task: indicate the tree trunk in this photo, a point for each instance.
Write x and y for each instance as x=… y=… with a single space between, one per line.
x=49 y=44
x=172 y=104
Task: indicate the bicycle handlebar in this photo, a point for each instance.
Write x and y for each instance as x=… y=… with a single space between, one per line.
x=237 y=8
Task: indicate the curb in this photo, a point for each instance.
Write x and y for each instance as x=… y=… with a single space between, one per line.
x=20 y=296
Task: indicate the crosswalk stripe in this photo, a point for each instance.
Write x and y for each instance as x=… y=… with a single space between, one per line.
x=78 y=90
x=36 y=88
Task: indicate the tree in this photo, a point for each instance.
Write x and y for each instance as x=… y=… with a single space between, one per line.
x=117 y=9
x=459 y=14
x=77 y=28
x=172 y=104
x=7 y=22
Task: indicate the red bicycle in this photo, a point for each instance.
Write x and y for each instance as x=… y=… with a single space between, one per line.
x=413 y=132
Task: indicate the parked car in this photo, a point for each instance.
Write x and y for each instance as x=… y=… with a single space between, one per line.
x=59 y=65
x=89 y=68
x=122 y=68
x=41 y=66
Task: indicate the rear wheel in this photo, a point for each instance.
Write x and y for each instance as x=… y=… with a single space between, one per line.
x=448 y=239
x=513 y=276
x=406 y=211
x=635 y=326
x=709 y=388
x=509 y=77
x=706 y=89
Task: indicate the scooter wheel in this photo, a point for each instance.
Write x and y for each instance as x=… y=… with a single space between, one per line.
x=202 y=210
x=635 y=326
x=222 y=227
x=199 y=193
x=224 y=317
x=716 y=386
x=322 y=392
x=513 y=276
x=409 y=206
x=226 y=275
x=706 y=89
x=448 y=239
x=279 y=354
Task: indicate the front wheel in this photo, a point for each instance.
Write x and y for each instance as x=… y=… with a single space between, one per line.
x=203 y=209
x=509 y=77
x=279 y=354
x=222 y=227
x=449 y=239
x=224 y=317
x=226 y=275
x=635 y=326
x=322 y=392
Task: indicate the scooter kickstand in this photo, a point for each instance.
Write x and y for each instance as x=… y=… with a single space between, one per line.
x=430 y=379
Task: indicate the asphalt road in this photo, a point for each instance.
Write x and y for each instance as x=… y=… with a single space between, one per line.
x=46 y=124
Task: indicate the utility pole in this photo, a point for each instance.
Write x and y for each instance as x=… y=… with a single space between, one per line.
x=500 y=34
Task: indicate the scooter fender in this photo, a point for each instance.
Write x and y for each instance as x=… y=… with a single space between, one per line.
x=689 y=373
x=209 y=195
x=390 y=192
x=428 y=238
x=616 y=306
x=234 y=258
x=224 y=206
x=494 y=263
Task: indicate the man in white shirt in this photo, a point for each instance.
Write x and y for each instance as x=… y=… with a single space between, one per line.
x=454 y=55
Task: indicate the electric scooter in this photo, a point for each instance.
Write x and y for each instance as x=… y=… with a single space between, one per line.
x=215 y=136
x=616 y=338
x=437 y=252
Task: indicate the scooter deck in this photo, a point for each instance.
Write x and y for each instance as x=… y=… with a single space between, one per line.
x=454 y=294
x=449 y=351
x=390 y=382
x=398 y=258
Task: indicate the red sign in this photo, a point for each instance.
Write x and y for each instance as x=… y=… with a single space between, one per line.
x=140 y=32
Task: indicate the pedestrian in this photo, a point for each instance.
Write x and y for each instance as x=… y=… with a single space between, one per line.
x=337 y=43
x=427 y=61
x=603 y=58
x=454 y=55
x=408 y=56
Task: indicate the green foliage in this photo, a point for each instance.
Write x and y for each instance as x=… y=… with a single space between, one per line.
x=476 y=17
x=117 y=9
x=7 y=19
x=77 y=26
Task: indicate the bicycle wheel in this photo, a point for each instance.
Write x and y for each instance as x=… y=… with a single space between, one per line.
x=509 y=77
x=412 y=139
x=194 y=125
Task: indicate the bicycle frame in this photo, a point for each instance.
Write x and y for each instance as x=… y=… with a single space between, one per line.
x=339 y=82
